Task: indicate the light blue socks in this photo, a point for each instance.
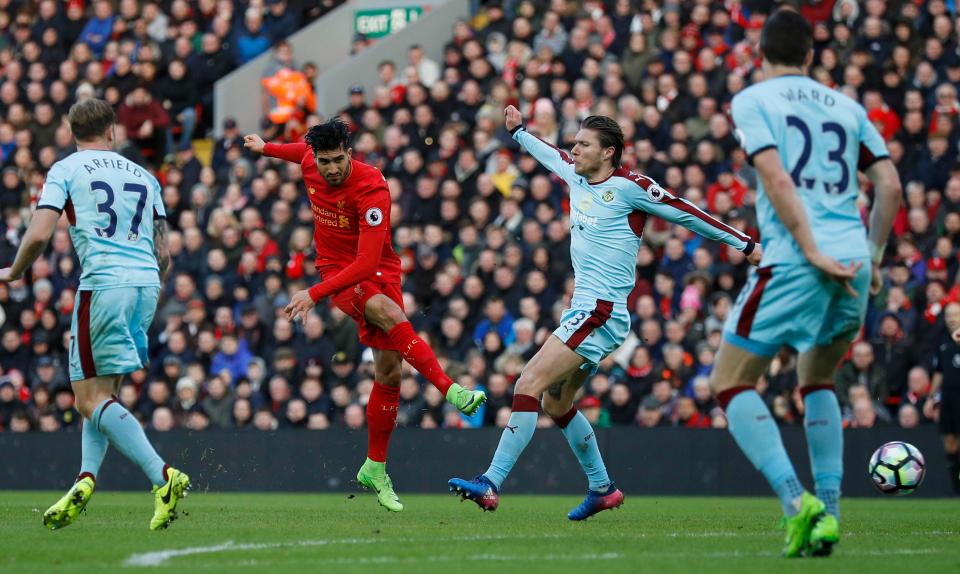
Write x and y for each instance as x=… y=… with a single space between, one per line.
x=824 y=428
x=515 y=438
x=125 y=433
x=93 y=447
x=757 y=434
x=583 y=442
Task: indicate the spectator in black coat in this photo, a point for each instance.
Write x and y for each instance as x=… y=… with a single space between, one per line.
x=281 y=20
x=893 y=352
x=213 y=63
x=178 y=94
x=15 y=355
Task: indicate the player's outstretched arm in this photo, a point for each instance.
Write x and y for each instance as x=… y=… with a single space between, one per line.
x=160 y=248
x=656 y=200
x=292 y=152
x=34 y=242
x=555 y=160
x=887 y=194
x=783 y=195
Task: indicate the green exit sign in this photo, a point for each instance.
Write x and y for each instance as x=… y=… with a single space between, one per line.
x=384 y=21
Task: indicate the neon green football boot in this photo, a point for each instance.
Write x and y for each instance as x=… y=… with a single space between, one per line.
x=66 y=510
x=467 y=402
x=373 y=475
x=798 y=526
x=166 y=497
x=824 y=535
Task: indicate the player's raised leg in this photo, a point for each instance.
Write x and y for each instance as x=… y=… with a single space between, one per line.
x=381 y=420
x=734 y=378
x=553 y=362
x=602 y=494
x=383 y=312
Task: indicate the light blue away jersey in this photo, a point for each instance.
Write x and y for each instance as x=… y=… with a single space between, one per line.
x=607 y=219
x=110 y=204
x=823 y=138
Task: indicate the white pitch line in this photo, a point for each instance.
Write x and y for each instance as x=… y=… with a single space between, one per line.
x=154 y=559
x=159 y=557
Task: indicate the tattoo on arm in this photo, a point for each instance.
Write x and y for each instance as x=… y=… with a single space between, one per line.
x=160 y=249
x=556 y=390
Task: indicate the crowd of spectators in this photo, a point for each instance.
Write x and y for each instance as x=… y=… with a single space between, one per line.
x=481 y=228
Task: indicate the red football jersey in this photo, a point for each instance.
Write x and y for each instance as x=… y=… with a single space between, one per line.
x=341 y=213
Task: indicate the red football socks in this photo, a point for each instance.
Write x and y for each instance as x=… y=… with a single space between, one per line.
x=381 y=420
x=419 y=354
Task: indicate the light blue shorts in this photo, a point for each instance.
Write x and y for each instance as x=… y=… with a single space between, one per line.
x=796 y=305
x=109 y=331
x=593 y=328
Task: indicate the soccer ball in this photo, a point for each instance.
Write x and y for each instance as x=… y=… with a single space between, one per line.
x=897 y=468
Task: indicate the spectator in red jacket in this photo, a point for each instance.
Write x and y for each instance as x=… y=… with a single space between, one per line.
x=726 y=182
x=687 y=415
x=145 y=120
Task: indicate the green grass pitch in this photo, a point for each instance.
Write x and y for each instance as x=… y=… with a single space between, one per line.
x=276 y=533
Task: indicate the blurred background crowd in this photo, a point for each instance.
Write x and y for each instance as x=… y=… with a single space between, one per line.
x=481 y=228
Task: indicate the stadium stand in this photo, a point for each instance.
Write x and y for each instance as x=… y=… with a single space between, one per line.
x=480 y=227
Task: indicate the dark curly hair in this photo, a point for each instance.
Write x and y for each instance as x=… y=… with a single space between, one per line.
x=329 y=136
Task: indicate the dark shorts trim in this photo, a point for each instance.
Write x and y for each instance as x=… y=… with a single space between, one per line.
x=598 y=318
x=745 y=323
x=84 y=345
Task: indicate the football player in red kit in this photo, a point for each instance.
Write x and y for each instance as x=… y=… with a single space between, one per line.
x=360 y=272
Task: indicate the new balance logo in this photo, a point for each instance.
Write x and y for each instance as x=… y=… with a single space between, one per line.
x=817 y=423
x=513 y=429
x=589 y=436
x=124 y=415
x=763 y=417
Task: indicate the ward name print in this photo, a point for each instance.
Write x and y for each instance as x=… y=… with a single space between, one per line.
x=808 y=95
